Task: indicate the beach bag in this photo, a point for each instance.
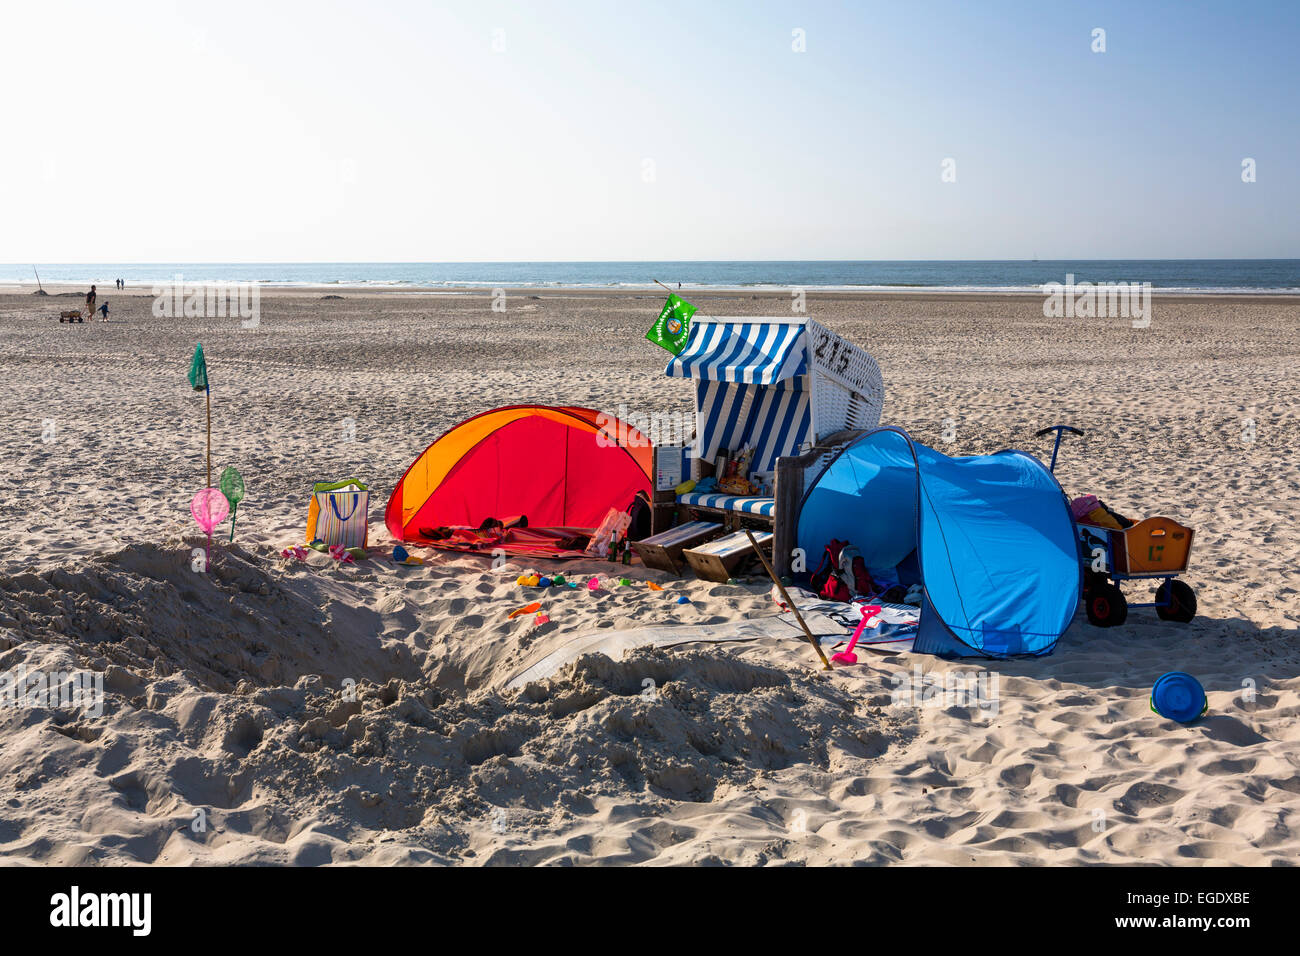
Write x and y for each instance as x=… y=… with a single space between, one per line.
x=853 y=570
x=828 y=580
x=1082 y=505
x=339 y=513
x=640 y=517
x=615 y=524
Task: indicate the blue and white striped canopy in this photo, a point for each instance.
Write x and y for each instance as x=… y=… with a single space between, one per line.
x=774 y=421
x=750 y=353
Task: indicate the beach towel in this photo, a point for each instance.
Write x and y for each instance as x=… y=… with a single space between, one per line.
x=615 y=644
x=522 y=542
x=898 y=626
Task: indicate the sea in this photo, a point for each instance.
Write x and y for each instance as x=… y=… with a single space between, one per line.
x=1244 y=276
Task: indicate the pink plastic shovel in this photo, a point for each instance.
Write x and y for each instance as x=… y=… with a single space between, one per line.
x=847 y=656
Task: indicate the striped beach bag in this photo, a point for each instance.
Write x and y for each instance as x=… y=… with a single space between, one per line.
x=339 y=513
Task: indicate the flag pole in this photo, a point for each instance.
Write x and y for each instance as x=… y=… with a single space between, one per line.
x=670 y=291
x=199 y=374
x=207 y=554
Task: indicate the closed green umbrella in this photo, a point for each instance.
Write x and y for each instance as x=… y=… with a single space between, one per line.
x=232 y=486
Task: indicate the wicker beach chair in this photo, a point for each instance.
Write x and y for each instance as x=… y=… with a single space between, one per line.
x=790 y=389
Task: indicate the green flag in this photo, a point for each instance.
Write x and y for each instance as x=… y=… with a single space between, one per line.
x=199 y=370
x=673 y=327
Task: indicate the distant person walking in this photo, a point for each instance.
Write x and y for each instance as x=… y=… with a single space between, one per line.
x=90 y=302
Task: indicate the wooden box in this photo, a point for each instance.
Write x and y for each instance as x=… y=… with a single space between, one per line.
x=718 y=560
x=663 y=551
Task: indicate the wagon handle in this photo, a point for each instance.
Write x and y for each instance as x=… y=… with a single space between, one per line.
x=1059 y=429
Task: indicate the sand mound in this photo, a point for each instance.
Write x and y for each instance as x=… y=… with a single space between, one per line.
x=312 y=773
x=146 y=609
x=298 y=712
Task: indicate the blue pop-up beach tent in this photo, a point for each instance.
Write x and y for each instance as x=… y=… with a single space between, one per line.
x=994 y=542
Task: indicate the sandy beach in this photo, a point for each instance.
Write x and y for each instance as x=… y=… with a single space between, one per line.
x=227 y=692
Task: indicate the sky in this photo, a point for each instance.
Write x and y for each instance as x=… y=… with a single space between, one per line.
x=582 y=130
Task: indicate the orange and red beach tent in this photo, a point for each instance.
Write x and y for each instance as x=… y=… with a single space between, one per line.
x=560 y=467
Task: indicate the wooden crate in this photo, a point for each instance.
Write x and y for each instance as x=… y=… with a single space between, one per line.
x=718 y=560
x=1157 y=546
x=663 y=551
x=1153 y=547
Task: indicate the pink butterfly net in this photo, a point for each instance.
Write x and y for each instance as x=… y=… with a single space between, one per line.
x=209 y=508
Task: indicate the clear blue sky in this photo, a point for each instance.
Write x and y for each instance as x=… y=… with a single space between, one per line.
x=393 y=130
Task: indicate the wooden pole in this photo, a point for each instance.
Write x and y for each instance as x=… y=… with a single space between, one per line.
x=670 y=291
x=207 y=553
x=38 y=280
x=209 y=394
x=826 y=665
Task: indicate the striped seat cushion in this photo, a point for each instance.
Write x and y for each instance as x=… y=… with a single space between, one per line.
x=752 y=506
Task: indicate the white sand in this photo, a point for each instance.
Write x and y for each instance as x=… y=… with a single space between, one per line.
x=226 y=691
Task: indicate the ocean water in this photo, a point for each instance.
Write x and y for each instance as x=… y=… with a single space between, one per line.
x=1275 y=276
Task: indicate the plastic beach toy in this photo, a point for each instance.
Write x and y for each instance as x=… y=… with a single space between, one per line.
x=593 y=584
x=1179 y=697
x=526 y=609
x=232 y=486
x=209 y=508
x=847 y=656
x=683 y=600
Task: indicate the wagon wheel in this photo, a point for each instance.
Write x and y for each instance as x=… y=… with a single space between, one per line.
x=1175 y=601
x=1105 y=605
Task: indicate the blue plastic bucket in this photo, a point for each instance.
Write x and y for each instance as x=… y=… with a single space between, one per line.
x=1179 y=697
